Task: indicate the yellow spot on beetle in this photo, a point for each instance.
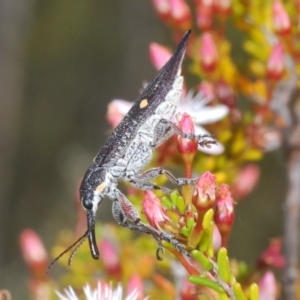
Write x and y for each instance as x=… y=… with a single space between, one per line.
x=101 y=187
x=144 y=103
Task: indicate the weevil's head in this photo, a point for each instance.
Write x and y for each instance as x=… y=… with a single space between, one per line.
x=90 y=203
x=93 y=188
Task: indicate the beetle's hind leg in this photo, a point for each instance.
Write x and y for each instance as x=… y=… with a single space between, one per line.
x=123 y=211
x=141 y=180
x=143 y=184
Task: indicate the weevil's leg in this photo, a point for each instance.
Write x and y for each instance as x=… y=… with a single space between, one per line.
x=143 y=178
x=144 y=185
x=204 y=140
x=123 y=211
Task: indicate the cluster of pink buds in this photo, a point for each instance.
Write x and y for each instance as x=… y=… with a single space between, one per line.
x=183 y=214
x=201 y=221
x=206 y=9
x=193 y=222
x=176 y=13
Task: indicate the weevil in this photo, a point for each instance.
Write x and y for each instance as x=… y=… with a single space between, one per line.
x=129 y=149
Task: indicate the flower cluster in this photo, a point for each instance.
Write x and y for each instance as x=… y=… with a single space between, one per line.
x=200 y=216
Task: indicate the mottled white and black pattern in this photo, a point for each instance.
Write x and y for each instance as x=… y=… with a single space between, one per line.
x=129 y=149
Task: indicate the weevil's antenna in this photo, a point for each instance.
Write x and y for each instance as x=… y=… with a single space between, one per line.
x=90 y=233
x=78 y=243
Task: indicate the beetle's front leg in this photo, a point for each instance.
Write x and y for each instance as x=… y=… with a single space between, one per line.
x=204 y=140
x=123 y=211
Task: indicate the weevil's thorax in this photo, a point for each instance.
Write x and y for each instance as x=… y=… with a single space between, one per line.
x=97 y=183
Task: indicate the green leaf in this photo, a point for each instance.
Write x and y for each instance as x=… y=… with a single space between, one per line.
x=165 y=201
x=173 y=196
x=200 y=280
x=208 y=216
x=223 y=265
x=238 y=292
x=254 y=291
x=202 y=259
x=180 y=204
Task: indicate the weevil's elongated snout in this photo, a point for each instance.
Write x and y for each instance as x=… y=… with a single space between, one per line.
x=91 y=234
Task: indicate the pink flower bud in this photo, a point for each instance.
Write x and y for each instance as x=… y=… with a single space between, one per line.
x=180 y=14
x=281 y=19
x=265 y=138
x=162 y=8
x=116 y=110
x=111 y=261
x=39 y=288
x=159 y=55
x=204 y=15
x=275 y=64
x=224 y=213
x=135 y=285
x=217 y=239
x=267 y=287
x=208 y=53
x=246 y=181
x=33 y=252
x=207 y=90
x=272 y=256
x=153 y=210
x=186 y=125
x=222 y=7
x=225 y=93
x=204 y=196
x=188 y=291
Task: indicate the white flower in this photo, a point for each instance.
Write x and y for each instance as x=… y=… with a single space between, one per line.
x=102 y=292
x=195 y=106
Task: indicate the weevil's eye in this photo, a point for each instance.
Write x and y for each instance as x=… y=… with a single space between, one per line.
x=87 y=201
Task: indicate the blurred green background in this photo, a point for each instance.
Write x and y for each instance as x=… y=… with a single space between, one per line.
x=61 y=62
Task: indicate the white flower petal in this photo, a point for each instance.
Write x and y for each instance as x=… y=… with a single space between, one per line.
x=133 y=295
x=102 y=292
x=207 y=114
x=90 y=294
x=70 y=294
x=123 y=105
x=118 y=292
x=214 y=149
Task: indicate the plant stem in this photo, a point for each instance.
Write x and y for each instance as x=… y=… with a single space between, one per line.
x=291 y=225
